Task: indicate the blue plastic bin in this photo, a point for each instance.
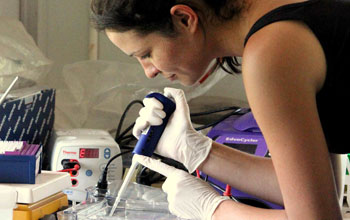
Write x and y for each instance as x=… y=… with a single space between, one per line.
x=20 y=168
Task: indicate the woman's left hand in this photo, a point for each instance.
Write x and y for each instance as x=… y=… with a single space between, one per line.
x=189 y=197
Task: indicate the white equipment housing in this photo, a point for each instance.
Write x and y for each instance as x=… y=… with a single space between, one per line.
x=92 y=149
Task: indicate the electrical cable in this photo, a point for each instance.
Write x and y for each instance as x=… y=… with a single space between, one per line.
x=221 y=190
x=102 y=183
x=116 y=156
x=245 y=200
x=235 y=112
x=121 y=136
x=224 y=192
x=147 y=177
x=124 y=115
x=127 y=139
x=248 y=201
x=123 y=139
x=214 y=111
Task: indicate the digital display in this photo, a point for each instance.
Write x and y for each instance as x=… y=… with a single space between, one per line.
x=88 y=153
x=248 y=148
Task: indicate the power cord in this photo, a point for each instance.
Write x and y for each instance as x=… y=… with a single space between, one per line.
x=102 y=183
x=147 y=173
x=123 y=140
x=238 y=111
x=214 y=111
x=119 y=136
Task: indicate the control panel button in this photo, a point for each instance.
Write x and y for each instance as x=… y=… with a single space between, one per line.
x=107 y=153
x=88 y=173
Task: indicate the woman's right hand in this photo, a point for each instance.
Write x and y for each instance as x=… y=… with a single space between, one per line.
x=189 y=197
x=179 y=141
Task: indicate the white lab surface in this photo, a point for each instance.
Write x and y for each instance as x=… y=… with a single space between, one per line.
x=8 y=199
x=46 y=184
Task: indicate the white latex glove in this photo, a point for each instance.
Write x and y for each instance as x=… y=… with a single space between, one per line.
x=189 y=197
x=179 y=141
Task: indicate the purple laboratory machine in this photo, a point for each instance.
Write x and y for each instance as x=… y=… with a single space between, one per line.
x=242 y=133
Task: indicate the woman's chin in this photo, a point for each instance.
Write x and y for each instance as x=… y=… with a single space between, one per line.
x=188 y=83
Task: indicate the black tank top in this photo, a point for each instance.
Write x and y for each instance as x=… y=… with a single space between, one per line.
x=330 y=22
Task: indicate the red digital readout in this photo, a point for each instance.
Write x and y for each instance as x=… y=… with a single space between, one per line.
x=88 y=153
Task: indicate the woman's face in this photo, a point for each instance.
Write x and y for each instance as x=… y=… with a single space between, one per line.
x=182 y=58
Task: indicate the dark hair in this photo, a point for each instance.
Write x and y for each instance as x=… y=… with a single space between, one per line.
x=147 y=16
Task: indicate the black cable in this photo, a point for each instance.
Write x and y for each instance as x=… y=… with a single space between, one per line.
x=214 y=111
x=125 y=147
x=121 y=136
x=123 y=116
x=127 y=139
x=222 y=190
x=123 y=139
x=116 y=156
x=148 y=177
x=102 y=183
x=246 y=200
x=236 y=112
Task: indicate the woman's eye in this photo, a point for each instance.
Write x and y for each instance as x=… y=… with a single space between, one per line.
x=148 y=55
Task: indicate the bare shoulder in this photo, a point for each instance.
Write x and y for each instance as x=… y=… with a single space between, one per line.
x=283 y=67
x=284 y=64
x=288 y=47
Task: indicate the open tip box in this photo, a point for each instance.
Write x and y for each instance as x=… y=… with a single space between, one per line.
x=20 y=168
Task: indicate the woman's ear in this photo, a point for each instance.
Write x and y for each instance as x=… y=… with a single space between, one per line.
x=184 y=17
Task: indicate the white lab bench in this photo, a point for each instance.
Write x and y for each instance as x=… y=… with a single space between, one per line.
x=24 y=201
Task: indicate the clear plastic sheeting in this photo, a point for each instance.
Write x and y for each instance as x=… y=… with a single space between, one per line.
x=138 y=202
x=21 y=83
x=19 y=55
x=94 y=94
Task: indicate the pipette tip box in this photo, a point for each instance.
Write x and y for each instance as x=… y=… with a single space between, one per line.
x=21 y=166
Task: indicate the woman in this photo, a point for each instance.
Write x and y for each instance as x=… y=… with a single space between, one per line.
x=294 y=55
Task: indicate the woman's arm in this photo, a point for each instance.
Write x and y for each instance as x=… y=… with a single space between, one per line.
x=283 y=68
x=238 y=211
x=243 y=171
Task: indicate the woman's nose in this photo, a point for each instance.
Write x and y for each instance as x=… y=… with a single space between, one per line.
x=150 y=70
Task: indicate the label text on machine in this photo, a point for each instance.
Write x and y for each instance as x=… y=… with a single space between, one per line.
x=242 y=140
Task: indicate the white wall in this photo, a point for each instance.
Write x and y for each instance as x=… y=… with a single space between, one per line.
x=9 y=8
x=29 y=12
x=61 y=29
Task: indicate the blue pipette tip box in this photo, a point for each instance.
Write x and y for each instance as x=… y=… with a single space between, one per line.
x=20 y=168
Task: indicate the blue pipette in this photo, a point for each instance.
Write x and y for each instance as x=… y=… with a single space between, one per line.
x=147 y=142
